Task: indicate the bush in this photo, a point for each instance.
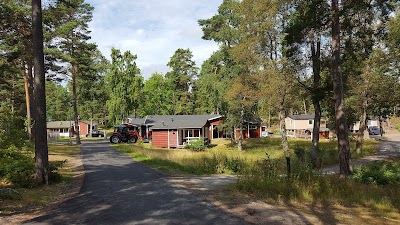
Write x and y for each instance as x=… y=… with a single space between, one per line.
x=17 y=166
x=380 y=173
x=54 y=167
x=12 y=128
x=197 y=145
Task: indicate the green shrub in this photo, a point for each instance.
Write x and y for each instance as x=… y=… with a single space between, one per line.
x=197 y=145
x=17 y=166
x=12 y=128
x=380 y=173
x=54 y=167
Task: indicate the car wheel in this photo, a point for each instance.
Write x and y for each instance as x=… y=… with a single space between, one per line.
x=115 y=139
x=132 y=139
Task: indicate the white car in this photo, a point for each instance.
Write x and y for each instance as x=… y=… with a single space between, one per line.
x=374 y=130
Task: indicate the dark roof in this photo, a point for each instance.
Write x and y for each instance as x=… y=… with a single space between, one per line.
x=59 y=124
x=136 y=120
x=303 y=117
x=179 y=121
x=64 y=124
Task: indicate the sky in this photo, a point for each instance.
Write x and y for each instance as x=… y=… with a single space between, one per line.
x=152 y=29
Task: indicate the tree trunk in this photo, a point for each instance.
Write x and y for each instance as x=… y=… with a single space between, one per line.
x=316 y=98
x=285 y=145
x=74 y=105
x=39 y=128
x=27 y=101
x=233 y=138
x=315 y=159
x=341 y=125
x=32 y=106
x=362 y=129
x=241 y=129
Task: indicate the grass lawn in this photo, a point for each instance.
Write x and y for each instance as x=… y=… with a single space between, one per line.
x=221 y=157
x=32 y=199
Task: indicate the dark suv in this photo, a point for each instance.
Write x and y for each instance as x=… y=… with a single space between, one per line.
x=96 y=133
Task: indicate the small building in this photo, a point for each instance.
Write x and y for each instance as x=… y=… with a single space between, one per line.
x=147 y=123
x=175 y=131
x=63 y=128
x=301 y=126
x=178 y=130
x=252 y=129
x=373 y=122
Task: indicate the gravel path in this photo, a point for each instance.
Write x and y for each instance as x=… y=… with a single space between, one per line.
x=117 y=190
x=388 y=148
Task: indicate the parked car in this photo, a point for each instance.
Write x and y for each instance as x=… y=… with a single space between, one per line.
x=96 y=133
x=374 y=130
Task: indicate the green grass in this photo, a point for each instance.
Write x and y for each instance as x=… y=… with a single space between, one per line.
x=306 y=187
x=224 y=158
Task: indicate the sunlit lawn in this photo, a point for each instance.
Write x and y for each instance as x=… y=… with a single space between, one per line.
x=222 y=157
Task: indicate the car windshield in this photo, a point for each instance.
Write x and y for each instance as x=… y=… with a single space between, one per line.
x=118 y=129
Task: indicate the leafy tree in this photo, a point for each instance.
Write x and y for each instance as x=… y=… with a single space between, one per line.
x=242 y=97
x=57 y=101
x=156 y=95
x=180 y=79
x=305 y=31
x=91 y=92
x=216 y=76
x=125 y=86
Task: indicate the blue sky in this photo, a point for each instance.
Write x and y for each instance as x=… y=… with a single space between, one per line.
x=152 y=29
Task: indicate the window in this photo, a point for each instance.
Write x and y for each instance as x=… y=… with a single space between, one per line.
x=192 y=133
x=310 y=122
x=252 y=127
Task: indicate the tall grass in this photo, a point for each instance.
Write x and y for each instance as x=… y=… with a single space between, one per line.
x=221 y=157
x=186 y=161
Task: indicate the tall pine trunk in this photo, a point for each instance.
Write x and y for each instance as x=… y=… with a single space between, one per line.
x=342 y=131
x=27 y=101
x=74 y=104
x=39 y=128
x=316 y=98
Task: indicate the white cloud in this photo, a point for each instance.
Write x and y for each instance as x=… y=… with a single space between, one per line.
x=152 y=29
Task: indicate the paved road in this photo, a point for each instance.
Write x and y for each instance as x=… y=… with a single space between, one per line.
x=117 y=190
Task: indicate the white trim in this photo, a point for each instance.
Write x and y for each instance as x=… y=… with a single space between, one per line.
x=215 y=118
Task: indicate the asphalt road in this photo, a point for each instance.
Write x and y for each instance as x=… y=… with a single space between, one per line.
x=117 y=190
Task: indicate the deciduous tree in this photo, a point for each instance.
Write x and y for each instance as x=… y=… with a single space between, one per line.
x=125 y=86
